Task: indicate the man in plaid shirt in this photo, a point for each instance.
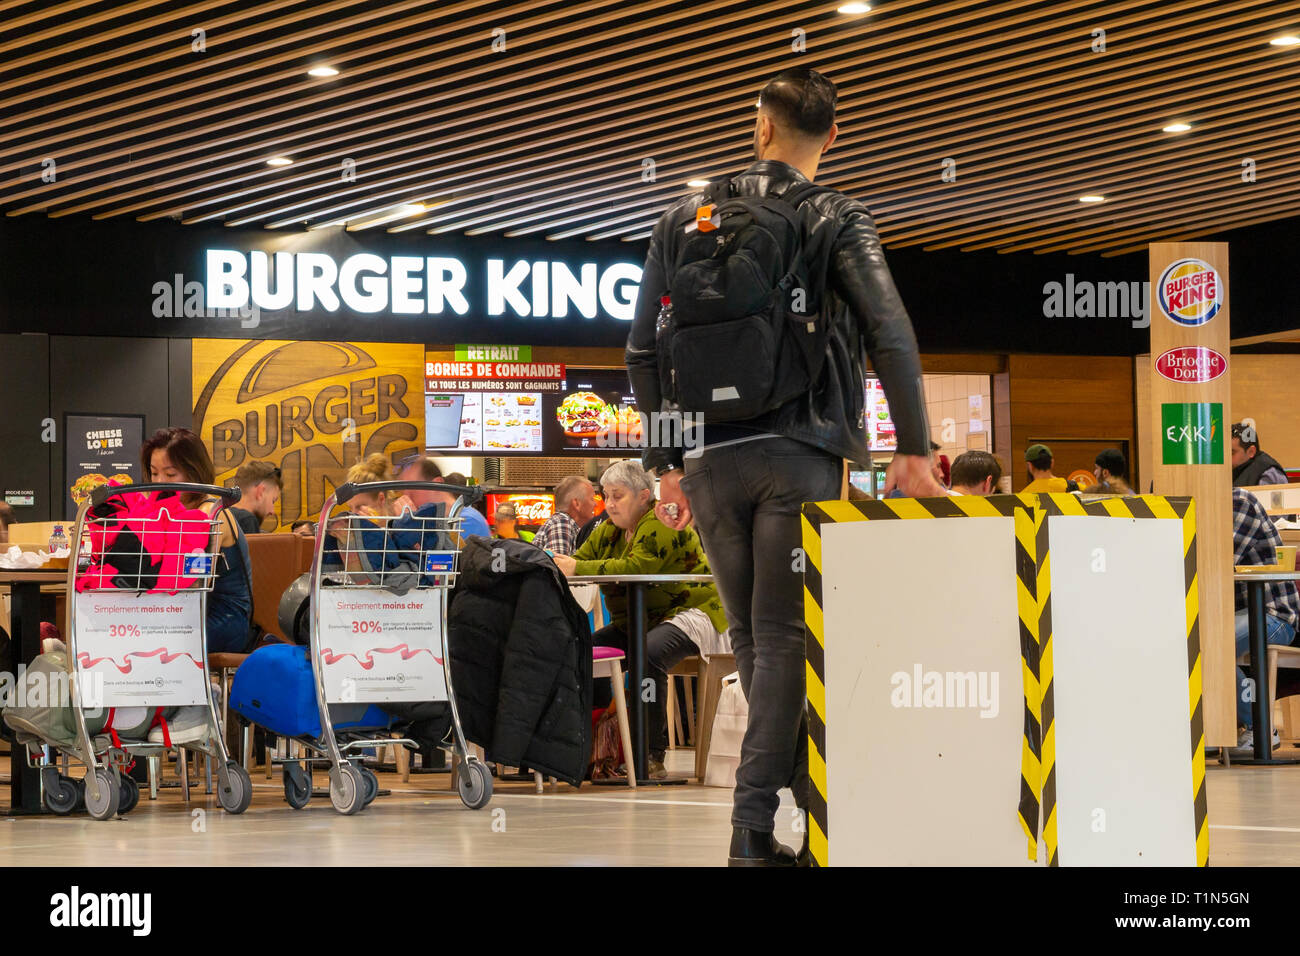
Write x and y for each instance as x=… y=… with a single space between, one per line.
x=1255 y=541
x=575 y=503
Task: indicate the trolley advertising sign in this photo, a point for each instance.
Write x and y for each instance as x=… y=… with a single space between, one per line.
x=146 y=647
x=377 y=646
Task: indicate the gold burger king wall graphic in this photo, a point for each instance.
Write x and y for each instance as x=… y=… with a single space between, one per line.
x=312 y=408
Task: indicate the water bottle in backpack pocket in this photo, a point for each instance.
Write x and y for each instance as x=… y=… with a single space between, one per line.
x=741 y=333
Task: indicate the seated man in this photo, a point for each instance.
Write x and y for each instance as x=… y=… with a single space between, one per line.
x=1111 y=472
x=260 y=485
x=683 y=618
x=575 y=503
x=975 y=473
x=1250 y=466
x=1255 y=541
x=424 y=504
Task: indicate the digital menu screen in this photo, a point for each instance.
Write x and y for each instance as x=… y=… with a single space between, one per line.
x=596 y=411
x=880 y=427
x=590 y=411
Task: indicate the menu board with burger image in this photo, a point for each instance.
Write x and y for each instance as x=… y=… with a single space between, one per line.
x=597 y=411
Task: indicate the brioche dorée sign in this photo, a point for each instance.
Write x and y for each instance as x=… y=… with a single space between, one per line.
x=1191 y=364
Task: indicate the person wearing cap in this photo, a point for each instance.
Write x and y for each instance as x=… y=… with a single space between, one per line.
x=503 y=524
x=1111 y=472
x=1250 y=466
x=260 y=485
x=1038 y=458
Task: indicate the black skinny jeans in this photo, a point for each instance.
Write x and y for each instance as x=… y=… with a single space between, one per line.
x=665 y=645
x=746 y=500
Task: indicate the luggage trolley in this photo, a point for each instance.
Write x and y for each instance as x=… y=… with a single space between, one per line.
x=151 y=658
x=378 y=634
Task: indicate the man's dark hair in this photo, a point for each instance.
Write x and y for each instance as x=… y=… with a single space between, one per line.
x=1042 y=462
x=802 y=100
x=1112 y=460
x=972 y=467
x=1246 y=435
x=300 y=522
x=935 y=446
x=429 y=470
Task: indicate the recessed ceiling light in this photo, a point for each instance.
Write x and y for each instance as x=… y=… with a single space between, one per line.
x=697 y=183
x=322 y=71
x=1288 y=40
x=854 y=8
x=1177 y=128
x=1092 y=197
x=279 y=161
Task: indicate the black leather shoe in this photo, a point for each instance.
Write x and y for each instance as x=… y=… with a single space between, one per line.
x=753 y=848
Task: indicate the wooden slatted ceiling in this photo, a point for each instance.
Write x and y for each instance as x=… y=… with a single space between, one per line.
x=550 y=137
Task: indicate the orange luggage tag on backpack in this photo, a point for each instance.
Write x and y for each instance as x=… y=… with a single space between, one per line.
x=706 y=219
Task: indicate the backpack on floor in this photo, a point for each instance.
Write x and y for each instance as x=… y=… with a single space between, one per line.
x=275 y=688
x=744 y=330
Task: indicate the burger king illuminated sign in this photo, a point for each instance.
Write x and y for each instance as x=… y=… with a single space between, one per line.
x=1190 y=292
x=1191 y=365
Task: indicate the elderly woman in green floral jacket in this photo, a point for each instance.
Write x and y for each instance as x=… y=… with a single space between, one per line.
x=684 y=619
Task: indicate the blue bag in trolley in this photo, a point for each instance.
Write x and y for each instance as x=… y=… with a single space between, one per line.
x=146 y=557
x=377 y=626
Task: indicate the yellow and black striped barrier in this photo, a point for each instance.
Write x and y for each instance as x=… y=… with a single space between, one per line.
x=1037 y=803
x=1006 y=506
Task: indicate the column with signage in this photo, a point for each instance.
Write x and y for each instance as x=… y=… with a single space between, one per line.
x=1191 y=417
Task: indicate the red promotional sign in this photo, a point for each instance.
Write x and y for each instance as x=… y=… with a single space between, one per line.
x=529 y=509
x=1191 y=364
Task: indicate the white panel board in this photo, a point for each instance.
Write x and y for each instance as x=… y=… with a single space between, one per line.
x=922 y=785
x=1123 y=747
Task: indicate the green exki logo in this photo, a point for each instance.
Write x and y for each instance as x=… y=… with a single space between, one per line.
x=1192 y=433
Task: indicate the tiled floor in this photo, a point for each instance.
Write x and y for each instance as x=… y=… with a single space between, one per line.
x=1254 y=821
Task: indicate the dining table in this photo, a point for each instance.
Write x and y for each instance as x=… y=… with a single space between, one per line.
x=636 y=585
x=1262 y=717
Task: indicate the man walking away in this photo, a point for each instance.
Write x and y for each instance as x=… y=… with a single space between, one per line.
x=746 y=477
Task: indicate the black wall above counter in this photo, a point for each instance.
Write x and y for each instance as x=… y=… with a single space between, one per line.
x=79 y=277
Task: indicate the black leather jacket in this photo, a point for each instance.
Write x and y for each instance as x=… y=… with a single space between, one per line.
x=868 y=316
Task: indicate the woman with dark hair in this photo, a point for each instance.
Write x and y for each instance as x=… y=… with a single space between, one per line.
x=177 y=454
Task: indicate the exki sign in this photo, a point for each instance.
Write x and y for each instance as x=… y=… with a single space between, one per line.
x=417 y=285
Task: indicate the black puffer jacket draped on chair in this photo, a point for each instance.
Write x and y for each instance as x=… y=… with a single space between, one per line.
x=521 y=659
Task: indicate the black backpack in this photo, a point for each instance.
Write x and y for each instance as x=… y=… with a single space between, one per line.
x=744 y=331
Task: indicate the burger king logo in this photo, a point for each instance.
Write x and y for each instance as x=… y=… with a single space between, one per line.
x=1190 y=292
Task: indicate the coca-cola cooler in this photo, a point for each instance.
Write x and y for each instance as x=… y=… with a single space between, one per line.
x=532 y=505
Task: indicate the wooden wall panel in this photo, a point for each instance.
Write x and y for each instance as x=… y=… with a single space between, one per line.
x=1068 y=397
x=1263 y=388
